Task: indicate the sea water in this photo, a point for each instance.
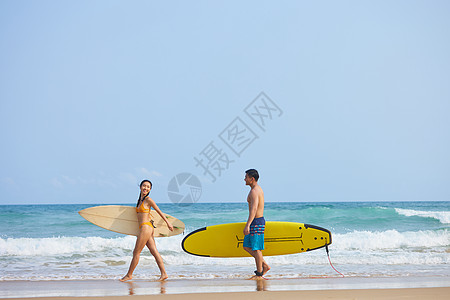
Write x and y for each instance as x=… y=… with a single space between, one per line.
x=370 y=239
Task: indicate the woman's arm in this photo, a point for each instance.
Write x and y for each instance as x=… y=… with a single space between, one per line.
x=156 y=208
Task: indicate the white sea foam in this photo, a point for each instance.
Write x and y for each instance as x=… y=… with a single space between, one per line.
x=62 y=245
x=100 y=258
x=98 y=246
x=391 y=239
x=442 y=216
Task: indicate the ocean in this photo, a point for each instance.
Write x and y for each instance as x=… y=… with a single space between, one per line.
x=370 y=239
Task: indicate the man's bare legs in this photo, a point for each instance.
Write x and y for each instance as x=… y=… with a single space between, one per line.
x=261 y=265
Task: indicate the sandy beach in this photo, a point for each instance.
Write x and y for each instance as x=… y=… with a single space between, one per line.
x=385 y=294
x=238 y=289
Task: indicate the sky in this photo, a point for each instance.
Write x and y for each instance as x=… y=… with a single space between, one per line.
x=328 y=100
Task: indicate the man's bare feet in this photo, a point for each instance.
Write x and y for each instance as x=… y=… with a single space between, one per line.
x=254 y=277
x=163 y=277
x=126 y=278
x=266 y=269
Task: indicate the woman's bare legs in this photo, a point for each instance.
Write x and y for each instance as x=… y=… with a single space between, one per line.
x=151 y=245
x=144 y=235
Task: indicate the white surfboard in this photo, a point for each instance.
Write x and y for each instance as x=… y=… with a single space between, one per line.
x=123 y=219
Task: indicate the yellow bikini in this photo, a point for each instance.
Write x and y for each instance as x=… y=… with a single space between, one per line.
x=142 y=209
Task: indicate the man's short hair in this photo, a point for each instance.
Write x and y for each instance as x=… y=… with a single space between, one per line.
x=252 y=173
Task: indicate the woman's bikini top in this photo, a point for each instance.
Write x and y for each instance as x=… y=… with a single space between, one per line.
x=142 y=209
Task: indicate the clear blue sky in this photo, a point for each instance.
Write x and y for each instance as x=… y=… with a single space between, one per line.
x=97 y=95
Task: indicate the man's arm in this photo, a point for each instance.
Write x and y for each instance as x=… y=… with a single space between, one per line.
x=252 y=208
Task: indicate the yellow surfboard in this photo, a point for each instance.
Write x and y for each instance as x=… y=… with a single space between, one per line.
x=123 y=219
x=280 y=238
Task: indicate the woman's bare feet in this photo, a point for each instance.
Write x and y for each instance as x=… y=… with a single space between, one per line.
x=126 y=278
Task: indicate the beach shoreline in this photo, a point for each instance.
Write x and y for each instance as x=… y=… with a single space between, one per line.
x=362 y=294
x=190 y=289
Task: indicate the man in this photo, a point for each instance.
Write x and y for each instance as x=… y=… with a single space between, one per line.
x=254 y=229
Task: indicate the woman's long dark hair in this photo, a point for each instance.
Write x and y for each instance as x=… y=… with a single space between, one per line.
x=139 y=197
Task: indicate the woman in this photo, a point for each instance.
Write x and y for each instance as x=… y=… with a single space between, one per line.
x=146 y=229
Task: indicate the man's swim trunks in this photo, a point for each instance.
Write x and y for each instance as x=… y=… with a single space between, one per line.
x=255 y=240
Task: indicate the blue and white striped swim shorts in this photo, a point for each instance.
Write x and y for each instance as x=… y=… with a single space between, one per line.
x=255 y=240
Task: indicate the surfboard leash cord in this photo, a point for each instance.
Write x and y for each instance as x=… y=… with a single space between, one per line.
x=328 y=254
